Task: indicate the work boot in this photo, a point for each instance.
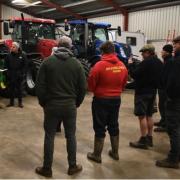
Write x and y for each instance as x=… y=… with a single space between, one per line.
x=142 y=143
x=167 y=163
x=46 y=172
x=149 y=141
x=115 y=146
x=74 y=169
x=98 y=147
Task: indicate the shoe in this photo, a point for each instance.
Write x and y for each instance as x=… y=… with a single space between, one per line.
x=98 y=147
x=44 y=172
x=20 y=105
x=160 y=129
x=74 y=169
x=150 y=141
x=157 y=123
x=142 y=143
x=167 y=163
x=115 y=147
x=10 y=105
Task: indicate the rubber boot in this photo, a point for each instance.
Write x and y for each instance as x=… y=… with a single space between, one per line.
x=98 y=147
x=113 y=153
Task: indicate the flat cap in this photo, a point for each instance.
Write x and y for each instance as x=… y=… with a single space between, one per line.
x=176 y=40
x=147 y=47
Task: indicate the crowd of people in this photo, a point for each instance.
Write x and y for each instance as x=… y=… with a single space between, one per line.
x=61 y=87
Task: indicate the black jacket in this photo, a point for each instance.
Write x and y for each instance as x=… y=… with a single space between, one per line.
x=147 y=75
x=16 y=64
x=61 y=80
x=172 y=78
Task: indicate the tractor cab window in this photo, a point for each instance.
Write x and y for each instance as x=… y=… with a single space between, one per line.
x=45 y=31
x=77 y=34
x=100 y=34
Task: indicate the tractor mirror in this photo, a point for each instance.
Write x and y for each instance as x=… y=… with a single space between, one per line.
x=6 y=28
x=11 y=24
x=119 y=30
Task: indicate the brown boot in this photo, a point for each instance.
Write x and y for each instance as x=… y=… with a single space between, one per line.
x=74 y=169
x=44 y=172
x=115 y=146
x=98 y=147
x=167 y=163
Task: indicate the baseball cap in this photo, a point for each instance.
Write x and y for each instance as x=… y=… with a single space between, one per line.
x=147 y=47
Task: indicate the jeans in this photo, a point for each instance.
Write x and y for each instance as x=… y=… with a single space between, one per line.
x=105 y=114
x=53 y=115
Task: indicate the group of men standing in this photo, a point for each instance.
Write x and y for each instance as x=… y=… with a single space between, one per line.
x=61 y=88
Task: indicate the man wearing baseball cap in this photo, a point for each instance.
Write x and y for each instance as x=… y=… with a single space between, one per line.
x=171 y=82
x=147 y=78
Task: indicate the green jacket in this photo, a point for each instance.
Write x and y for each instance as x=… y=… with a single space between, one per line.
x=61 y=80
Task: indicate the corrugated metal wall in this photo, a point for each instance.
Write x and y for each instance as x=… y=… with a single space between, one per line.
x=114 y=20
x=155 y=23
x=7 y=13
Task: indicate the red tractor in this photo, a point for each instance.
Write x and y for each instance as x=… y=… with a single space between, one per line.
x=37 y=38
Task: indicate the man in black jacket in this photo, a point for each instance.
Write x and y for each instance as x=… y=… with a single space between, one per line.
x=167 y=58
x=16 y=63
x=60 y=87
x=172 y=86
x=147 y=79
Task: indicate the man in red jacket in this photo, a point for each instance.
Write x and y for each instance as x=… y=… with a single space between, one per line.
x=107 y=80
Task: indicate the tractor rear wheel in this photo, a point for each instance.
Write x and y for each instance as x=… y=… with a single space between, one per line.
x=32 y=72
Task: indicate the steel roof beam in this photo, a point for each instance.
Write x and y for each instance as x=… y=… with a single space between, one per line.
x=61 y=9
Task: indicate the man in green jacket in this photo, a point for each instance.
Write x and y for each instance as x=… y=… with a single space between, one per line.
x=60 y=88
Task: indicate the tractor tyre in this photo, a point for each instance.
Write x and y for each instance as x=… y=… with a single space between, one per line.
x=86 y=66
x=33 y=68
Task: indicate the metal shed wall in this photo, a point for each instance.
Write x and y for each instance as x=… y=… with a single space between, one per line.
x=114 y=20
x=7 y=12
x=156 y=23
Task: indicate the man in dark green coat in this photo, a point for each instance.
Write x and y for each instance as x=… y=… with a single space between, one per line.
x=60 y=88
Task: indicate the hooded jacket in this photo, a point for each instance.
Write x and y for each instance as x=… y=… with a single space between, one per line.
x=61 y=80
x=108 y=77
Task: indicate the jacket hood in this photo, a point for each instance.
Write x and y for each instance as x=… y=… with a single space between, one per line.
x=63 y=53
x=112 y=58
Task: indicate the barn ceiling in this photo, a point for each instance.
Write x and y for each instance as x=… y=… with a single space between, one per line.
x=82 y=9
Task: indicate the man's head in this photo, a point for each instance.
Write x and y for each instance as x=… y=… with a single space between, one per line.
x=167 y=50
x=65 y=41
x=15 y=47
x=107 y=47
x=176 y=44
x=147 y=50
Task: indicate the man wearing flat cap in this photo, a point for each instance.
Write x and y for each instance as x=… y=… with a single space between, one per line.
x=147 y=79
x=172 y=88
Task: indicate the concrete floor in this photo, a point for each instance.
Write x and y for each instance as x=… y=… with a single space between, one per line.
x=21 y=145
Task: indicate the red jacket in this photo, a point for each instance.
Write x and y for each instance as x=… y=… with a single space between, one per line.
x=108 y=77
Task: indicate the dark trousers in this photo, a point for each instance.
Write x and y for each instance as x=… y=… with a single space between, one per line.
x=105 y=114
x=15 y=89
x=53 y=115
x=173 y=127
x=162 y=106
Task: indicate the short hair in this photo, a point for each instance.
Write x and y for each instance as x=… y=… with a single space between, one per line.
x=16 y=44
x=107 y=47
x=65 y=41
x=176 y=40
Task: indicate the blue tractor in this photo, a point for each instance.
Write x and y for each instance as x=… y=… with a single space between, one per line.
x=87 y=38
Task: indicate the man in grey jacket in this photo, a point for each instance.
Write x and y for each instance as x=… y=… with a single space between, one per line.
x=60 y=87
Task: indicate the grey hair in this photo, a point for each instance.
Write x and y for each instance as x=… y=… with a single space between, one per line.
x=65 y=41
x=16 y=44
